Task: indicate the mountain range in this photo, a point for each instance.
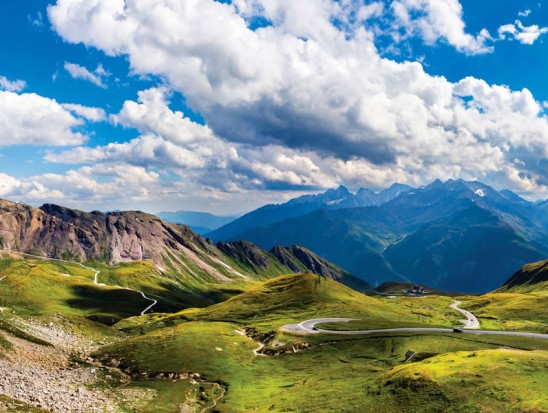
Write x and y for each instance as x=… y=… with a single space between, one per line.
x=455 y=235
x=175 y=250
x=332 y=199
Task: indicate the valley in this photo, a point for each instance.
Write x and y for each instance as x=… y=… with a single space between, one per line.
x=455 y=235
x=273 y=206
x=199 y=326
x=215 y=358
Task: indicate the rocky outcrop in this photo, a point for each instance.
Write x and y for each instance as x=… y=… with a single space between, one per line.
x=59 y=232
x=47 y=377
x=246 y=253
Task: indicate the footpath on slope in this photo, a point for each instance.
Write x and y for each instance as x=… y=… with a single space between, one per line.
x=95 y=278
x=471 y=327
x=47 y=376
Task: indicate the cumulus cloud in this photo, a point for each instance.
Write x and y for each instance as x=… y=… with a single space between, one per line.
x=173 y=142
x=88 y=184
x=30 y=119
x=80 y=72
x=12 y=85
x=523 y=34
x=305 y=100
x=8 y=184
x=439 y=19
x=89 y=113
x=151 y=114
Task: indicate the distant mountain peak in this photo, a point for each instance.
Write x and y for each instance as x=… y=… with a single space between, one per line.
x=343 y=190
x=397 y=185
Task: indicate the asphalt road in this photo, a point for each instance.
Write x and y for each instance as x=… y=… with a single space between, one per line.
x=471 y=327
x=471 y=321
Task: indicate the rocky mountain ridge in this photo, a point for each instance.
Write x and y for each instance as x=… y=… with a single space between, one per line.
x=332 y=199
x=116 y=237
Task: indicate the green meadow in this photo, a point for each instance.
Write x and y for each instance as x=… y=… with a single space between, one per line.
x=200 y=359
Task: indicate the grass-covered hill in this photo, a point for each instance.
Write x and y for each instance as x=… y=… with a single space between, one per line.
x=451 y=372
x=293 y=298
x=468 y=381
x=178 y=257
x=530 y=278
x=520 y=304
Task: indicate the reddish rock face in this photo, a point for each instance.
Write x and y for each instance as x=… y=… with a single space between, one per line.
x=113 y=237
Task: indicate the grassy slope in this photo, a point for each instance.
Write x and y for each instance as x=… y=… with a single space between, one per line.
x=336 y=373
x=521 y=304
x=293 y=298
x=431 y=311
x=331 y=376
x=469 y=382
x=530 y=278
x=510 y=311
x=34 y=287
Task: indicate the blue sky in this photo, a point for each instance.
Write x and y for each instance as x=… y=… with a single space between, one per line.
x=225 y=106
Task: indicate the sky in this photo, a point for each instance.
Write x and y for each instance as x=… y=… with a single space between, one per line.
x=224 y=106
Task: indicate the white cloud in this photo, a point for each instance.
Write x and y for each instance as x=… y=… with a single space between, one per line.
x=439 y=19
x=173 y=142
x=524 y=13
x=149 y=150
x=80 y=72
x=8 y=184
x=302 y=101
x=89 y=184
x=89 y=113
x=151 y=114
x=30 y=119
x=12 y=85
x=523 y=34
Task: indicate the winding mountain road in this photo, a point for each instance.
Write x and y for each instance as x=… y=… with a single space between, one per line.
x=95 y=278
x=471 y=322
x=471 y=326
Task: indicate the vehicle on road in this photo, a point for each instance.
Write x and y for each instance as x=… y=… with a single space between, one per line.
x=457 y=330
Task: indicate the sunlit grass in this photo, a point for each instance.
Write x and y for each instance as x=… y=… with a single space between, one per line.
x=511 y=311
